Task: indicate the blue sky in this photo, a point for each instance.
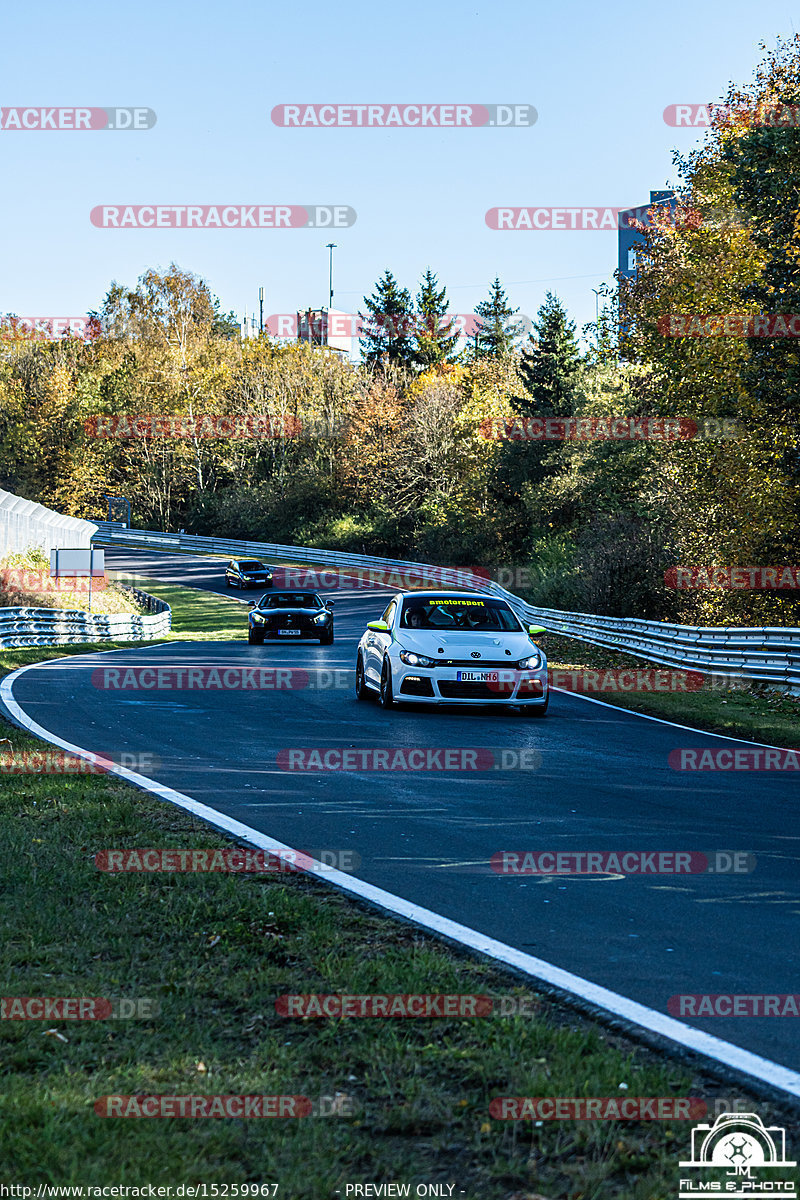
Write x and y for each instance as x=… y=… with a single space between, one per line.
x=599 y=75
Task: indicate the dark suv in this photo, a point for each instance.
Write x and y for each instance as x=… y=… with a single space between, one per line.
x=247 y=572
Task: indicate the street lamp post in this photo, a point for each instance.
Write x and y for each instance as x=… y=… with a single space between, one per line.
x=331 y=247
x=261 y=310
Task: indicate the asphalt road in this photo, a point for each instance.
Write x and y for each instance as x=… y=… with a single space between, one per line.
x=604 y=784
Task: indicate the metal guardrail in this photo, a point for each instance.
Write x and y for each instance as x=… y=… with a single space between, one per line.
x=63 y=627
x=761 y=654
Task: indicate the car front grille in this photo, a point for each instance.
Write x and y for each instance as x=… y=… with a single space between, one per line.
x=477 y=664
x=291 y=621
x=452 y=689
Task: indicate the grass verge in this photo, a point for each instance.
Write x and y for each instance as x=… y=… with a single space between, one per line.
x=749 y=711
x=215 y=952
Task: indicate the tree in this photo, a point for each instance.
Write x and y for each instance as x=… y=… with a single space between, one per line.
x=226 y=325
x=551 y=363
x=387 y=336
x=498 y=332
x=435 y=339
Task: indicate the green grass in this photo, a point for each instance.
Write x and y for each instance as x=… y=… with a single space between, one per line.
x=215 y=952
x=753 y=712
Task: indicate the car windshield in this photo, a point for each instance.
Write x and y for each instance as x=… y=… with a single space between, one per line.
x=252 y=566
x=484 y=615
x=292 y=600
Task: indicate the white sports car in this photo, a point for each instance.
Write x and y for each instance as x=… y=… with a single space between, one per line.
x=452 y=648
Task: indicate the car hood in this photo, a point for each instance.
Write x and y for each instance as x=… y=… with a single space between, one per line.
x=461 y=644
x=305 y=611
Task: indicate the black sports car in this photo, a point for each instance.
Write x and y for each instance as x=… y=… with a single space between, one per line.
x=291 y=615
x=247 y=572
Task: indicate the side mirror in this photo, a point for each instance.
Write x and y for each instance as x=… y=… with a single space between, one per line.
x=378 y=626
x=330 y=603
x=535 y=630
x=252 y=604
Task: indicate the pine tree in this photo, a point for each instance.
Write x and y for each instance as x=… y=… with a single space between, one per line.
x=498 y=332
x=435 y=340
x=551 y=362
x=388 y=326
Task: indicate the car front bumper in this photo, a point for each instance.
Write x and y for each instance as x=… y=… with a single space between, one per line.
x=442 y=686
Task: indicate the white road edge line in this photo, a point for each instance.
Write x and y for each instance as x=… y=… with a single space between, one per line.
x=726 y=1053
x=632 y=712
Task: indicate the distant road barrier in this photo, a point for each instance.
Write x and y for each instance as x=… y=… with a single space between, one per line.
x=61 y=627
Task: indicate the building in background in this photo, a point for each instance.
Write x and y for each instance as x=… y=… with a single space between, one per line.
x=629 y=240
x=329 y=327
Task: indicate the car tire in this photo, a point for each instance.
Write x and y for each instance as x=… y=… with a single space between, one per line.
x=228 y=582
x=362 y=691
x=255 y=637
x=386 y=694
x=528 y=710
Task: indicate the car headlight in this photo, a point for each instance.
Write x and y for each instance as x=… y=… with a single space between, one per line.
x=416 y=660
x=322 y=618
x=532 y=663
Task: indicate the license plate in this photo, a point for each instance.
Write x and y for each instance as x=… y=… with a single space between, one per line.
x=289 y=632
x=477 y=677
